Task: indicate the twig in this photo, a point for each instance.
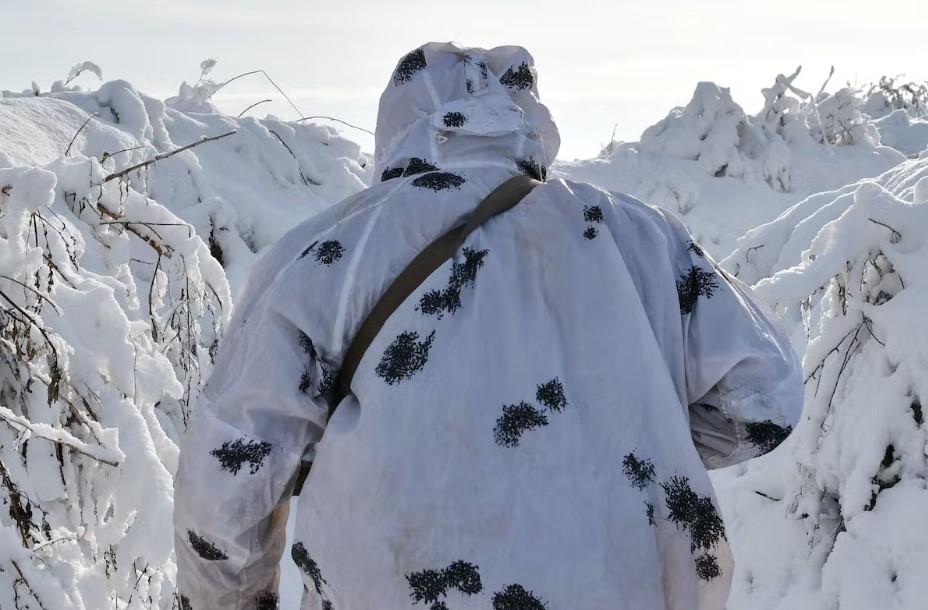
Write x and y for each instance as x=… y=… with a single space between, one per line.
x=23 y=577
x=68 y=149
x=67 y=439
x=896 y=234
x=164 y=156
x=151 y=307
x=161 y=249
x=151 y=224
x=48 y=542
x=270 y=80
x=37 y=293
x=252 y=106
x=107 y=155
x=329 y=118
x=306 y=181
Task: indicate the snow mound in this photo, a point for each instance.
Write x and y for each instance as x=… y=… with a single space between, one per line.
x=241 y=194
x=838 y=518
x=725 y=172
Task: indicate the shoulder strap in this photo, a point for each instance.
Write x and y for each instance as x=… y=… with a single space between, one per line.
x=504 y=197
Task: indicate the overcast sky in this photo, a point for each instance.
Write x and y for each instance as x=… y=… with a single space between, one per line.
x=602 y=64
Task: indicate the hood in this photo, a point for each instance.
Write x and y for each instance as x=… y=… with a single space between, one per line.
x=448 y=107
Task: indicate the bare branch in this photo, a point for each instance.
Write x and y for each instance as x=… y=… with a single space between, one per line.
x=61 y=437
x=164 y=156
x=270 y=80
x=329 y=118
x=68 y=149
x=252 y=106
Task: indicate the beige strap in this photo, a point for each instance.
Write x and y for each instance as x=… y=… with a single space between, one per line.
x=504 y=197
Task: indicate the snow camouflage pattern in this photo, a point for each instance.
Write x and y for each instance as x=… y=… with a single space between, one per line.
x=531 y=429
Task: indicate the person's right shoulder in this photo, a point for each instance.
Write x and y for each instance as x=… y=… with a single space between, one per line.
x=627 y=214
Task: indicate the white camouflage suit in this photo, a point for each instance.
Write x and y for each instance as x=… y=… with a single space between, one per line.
x=530 y=429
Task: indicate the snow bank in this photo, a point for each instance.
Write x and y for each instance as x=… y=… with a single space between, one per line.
x=725 y=172
x=838 y=518
x=241 y=194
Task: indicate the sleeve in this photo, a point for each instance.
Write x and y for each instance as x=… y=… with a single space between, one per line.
x=743 y=379
x=263 y=408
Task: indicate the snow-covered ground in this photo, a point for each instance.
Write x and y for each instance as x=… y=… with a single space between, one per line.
x=115 y=286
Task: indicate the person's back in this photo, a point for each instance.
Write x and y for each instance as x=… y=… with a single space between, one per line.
x=528 y=429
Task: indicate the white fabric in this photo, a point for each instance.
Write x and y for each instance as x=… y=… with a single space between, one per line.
x=520 y=431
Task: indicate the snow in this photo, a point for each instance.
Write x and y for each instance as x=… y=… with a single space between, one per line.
x=114 y=294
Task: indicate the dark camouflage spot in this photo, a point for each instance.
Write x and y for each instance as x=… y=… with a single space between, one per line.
x=454 y=119
x=707 y=567
x=306 y=344
x=551 y=395
x=439 y=302
x=767 y=435
x=418 y=166
x=515 y=597
x=439 y=181
x=464 y=577
x=391 y=173
x=518 y=79
x=694 y=514
x=327 y=385
x=307 y=565
x=408 y=66
x=184 y=603
x=592 y=213
x=429 y=586
x=305 y=382
x=309 y=249
x=532 y=169
x=267 y=601
x=516 y=420
x=405 y=357
x=649 y=511
x=590 y=233
x=697 y=282
x=695 y=249
x=233 y=454
x=329 y=252
x=640 y=472
x=206 y=550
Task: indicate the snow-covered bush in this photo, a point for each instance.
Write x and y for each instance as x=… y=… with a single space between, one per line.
x=110 y=311
x=114 y=289
x=894 y=93
x=848 y=271
x=840 y=121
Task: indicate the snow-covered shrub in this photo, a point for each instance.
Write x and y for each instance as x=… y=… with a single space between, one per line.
x=848 y=271
x=893 y=93
x=840 y=121
x=113 y=298
x=110 y=311
x=706 y=130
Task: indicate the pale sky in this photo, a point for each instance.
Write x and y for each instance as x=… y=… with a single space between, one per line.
x=602 y=64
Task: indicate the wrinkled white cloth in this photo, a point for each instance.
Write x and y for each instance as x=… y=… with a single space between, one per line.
x=531 y=429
